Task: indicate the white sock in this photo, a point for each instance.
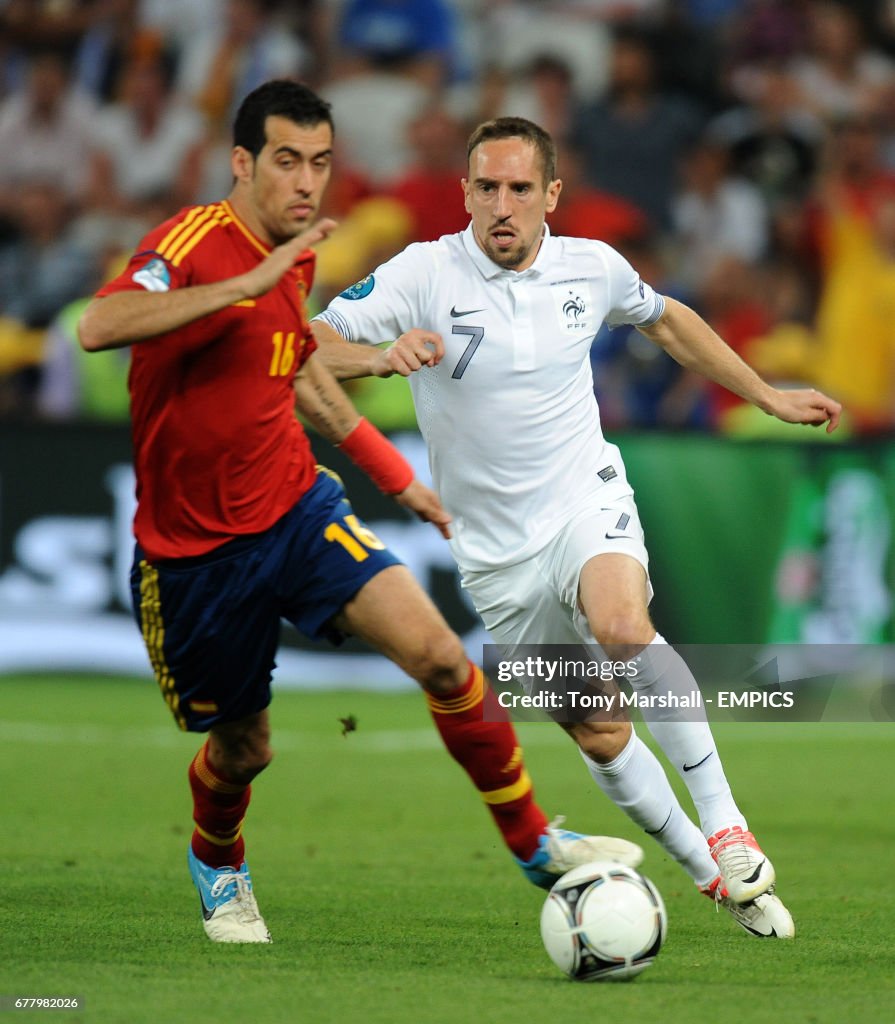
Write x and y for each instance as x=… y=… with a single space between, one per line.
x=685 y=736
x=636 y=783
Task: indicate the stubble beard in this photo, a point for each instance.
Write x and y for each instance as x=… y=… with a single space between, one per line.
x=509 y=259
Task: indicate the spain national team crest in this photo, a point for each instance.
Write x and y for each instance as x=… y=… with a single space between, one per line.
x=361 y=289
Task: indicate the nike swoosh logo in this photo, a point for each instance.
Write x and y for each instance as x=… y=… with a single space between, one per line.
x=206 y=913
x=615 y=534
x=754 y=876
x=690 y=767
x=464 y=312
x=662 y=826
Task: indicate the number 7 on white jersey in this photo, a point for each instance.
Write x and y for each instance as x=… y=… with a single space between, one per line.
x=475 y=335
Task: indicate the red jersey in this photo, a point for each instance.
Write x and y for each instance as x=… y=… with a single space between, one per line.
x=218 y=451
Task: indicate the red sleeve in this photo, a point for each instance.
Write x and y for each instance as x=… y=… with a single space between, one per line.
x=159 y=265
x=147 y=270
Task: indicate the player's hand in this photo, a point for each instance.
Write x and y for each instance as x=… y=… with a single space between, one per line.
x=259 y=280
x=805 y=405
x=425 y=503
x=415 y=349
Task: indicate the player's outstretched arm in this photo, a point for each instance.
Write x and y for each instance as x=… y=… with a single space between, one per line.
x=348 y=360
x=688 y=339
x=805 y=405
x=328 y=409
x=127 y=317
x=425 y=504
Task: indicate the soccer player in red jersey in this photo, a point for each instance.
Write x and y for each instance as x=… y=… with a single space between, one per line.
x=237 y=527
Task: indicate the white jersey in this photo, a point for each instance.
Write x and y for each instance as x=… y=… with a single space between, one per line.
x=509 y=414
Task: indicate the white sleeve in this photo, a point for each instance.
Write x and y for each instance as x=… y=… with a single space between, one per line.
x=631 y=299
x=386 y=303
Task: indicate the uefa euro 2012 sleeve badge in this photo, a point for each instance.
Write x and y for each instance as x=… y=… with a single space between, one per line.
x=154 y=276
x=360 y=289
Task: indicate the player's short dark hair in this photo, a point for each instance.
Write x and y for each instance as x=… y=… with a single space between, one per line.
x=517 y=128
x=281 y=97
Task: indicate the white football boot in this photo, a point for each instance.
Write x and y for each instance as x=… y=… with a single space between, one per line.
x=229 y=909
x=747 y=872
x=560 y=850
x=765 y=916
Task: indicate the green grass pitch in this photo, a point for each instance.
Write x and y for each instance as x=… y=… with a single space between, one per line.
x=388 y=893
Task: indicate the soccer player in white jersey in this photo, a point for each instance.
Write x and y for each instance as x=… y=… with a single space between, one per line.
x=494 y=327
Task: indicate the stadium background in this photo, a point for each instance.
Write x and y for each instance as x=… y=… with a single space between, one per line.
x=741 y=153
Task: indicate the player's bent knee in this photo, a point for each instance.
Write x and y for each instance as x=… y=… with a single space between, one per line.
x=245 y=764
x=601 y=741
x=241 y=756
x=440 y=664
x=623 y=635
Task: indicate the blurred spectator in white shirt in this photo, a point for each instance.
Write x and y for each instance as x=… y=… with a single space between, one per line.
x=542 y=92
x=569 y=33
x=143 y=144
x=840 y=73
x=715 y=216
x=45 y=132
x=245 y=46
x=179 y=22
x=374 y=110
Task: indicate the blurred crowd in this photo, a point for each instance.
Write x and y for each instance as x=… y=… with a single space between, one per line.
x=740 y=153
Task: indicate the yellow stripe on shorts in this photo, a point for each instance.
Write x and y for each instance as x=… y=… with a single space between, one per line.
x=154 y=638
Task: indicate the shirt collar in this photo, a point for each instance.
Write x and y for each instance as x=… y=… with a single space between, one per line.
x=489 y=269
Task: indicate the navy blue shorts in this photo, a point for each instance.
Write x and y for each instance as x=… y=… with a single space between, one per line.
x=211 y=624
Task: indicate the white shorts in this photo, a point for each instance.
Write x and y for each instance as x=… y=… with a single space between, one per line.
x=536 y=601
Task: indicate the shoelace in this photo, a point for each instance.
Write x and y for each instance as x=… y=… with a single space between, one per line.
x=738 y=855
x=246 y=907
x=560 y=853
x=716 y=895
x=554 y=848
x=231 y=877
x=557 y=823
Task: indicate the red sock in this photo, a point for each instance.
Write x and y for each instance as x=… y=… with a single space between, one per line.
x=493 y=760
x=219 y=808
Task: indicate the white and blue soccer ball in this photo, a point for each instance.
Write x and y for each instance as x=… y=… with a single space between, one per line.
x=603 y=922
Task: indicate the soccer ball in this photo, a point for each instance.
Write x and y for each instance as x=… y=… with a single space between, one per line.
x=603 y=922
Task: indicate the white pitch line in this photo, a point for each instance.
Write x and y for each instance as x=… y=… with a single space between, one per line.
x=394 y=741
x=398 y=740
x=386 y=741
